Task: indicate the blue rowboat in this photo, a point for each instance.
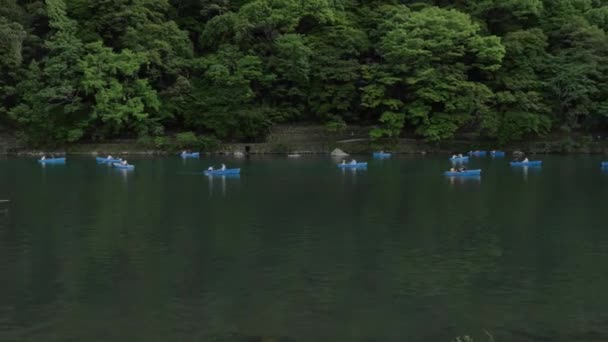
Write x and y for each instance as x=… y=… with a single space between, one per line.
x=223 y=172
x=460 y=160
x=478 y=153
x=464 y=173
x=605 y=164
x=381 y=155
x=52 y=161
x=352 y=166
x=107 y=161
x=530 y=163
x=497 y=154
x=123 y=166
x=190 y=155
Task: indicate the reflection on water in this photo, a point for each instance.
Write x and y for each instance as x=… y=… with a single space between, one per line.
x=124 y=173
x=525 y=170
x=290 y=254
x=351 y=173
x=464 y=180
x=221 y=179
x=4 y=208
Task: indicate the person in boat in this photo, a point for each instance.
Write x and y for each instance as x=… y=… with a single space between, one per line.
x=223 y=167
x=343 y=162
x=43 y=158
x=353 y=162
x=210 y=168
x=525 y=160
x=124 y=162
x=460 y=155
x=454 y=156
x=109 y=157
x=452 y=169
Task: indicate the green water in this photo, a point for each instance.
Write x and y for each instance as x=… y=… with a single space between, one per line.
x=298 y=250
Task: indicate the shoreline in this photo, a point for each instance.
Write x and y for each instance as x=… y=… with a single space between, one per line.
x=316 y=140
x=254 y=150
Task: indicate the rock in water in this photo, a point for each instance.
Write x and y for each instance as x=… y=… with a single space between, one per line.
x=338 y=152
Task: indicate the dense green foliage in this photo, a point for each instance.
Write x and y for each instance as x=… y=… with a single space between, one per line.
x=504 y=69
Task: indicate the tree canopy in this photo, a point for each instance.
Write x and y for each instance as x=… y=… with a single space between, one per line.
x=506 y=70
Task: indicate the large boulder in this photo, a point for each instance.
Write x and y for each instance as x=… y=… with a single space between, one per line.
x=338 y=152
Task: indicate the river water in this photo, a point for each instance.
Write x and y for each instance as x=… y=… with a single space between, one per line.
x=298 y=250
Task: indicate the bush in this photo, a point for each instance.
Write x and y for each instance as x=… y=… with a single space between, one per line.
x=208 y=143
x=336 y=125
x=568 y=145
x=586 y=140
x=186 y=140
x=160 y=142
x=145 y=141
x=392 y=125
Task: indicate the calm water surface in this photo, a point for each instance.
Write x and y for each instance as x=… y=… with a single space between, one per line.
x=298 y=250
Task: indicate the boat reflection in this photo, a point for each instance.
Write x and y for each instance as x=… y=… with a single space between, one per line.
x=4 y=207
x=529 y=169
x=352 y=173
x=222 y=179
x=464 y=180
x=124 y=173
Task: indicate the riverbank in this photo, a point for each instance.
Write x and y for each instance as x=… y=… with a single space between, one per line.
x=318 y=140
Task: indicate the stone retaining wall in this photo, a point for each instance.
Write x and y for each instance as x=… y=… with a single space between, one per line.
x=316 y=139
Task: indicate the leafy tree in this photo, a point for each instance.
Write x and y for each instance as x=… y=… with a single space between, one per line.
x=51 y=108
x=505 y=69
x=435 y=53
x=121 y=99
x=225 y=100
x=577 y=82
x=392 y=125
x=520 y=110
x=12 y=35
x=336 y=71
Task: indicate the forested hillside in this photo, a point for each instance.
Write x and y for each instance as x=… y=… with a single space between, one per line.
x=74 y=70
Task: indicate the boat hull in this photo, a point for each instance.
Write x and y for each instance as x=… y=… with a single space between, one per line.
x=466 y=173
x=123 y=167
x=530 y=163
x=190 y=155
x=223 y=172
x=352 y=166
x=52 y=161
x=381 y=155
